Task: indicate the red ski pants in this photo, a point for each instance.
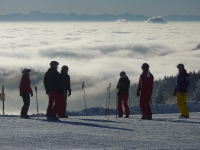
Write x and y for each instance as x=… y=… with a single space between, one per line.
x=61 y=109
x=53 y=103
x=144 y=105
x=124 y=99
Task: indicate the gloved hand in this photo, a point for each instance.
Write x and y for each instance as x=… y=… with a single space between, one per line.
x=69 y=93
x=31 y=94
x=20 y=94
x=46 y=92
x=174 y=93
x=138 y=94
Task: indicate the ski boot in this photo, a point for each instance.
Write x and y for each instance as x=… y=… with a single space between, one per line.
x=127 y=116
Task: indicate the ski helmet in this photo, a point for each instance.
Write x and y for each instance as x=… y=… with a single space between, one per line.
x=64 y=68
x=145 y=67
x=54 y=63
x=180 y=66
x=122 y=74
x=26 y=71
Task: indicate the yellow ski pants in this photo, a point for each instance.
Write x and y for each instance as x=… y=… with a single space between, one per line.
x=181 y=100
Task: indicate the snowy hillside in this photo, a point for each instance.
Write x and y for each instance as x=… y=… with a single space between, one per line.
x=165 y=131
x=156 y=109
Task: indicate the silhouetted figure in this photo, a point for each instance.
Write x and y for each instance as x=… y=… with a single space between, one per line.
x=53 y=89
x=180 y=91
x=144 y=91
x=25 y=92
x=65 y=92
x=123 y=94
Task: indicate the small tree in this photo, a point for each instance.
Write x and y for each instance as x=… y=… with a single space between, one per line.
x=160 y=97
x=196 y=94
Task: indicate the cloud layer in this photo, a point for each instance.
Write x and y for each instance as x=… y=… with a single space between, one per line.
x=96 y=53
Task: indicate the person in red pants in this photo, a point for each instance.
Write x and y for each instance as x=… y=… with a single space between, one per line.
x=144 y=91
x=53 y=89
x=65 y=92
x=123 y=94
x=25 y=92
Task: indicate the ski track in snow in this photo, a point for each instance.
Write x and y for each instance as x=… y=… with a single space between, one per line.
x=165 y=131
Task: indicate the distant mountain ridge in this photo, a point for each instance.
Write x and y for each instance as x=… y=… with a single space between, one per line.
x=40 y=16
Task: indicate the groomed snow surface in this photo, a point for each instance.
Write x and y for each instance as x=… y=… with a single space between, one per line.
x=165 y=131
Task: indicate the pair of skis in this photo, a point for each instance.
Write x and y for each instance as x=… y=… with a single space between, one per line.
x=108 y=101
x=37 y=102
x=84 y=98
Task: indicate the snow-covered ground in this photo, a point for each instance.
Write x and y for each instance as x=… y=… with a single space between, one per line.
x=165 y=131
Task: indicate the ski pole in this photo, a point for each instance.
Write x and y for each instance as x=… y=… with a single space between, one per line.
x=37 y=102
x=106 y=103
x=109 y=100
x=107 y=106
x=64 y=98
x=84 y=98
x=116 y=103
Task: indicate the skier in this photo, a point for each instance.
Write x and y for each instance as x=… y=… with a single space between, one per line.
x=25 y=91
x=180 y=90
x=144 y=91
x=65 y=88
x=53 y=90
x=123 y=94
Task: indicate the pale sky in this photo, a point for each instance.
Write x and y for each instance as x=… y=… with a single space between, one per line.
x=96 y=7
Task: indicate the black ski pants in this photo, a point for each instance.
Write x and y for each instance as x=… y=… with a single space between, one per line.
x=26 y=100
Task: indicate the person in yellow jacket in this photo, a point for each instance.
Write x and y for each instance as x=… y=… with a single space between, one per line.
x=180 y=91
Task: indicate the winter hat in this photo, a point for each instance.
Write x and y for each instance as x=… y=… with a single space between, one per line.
x=145 y=67
x=180 y=66
x=64 y=68
x=122 y=74
x=54 y=63
x=26 y=71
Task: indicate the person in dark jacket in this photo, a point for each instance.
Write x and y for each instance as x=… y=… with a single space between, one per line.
x=123 y=94
x=53 y=89
x=65 y=92
x=25 y=92
x=180 y=91
x=144 y=91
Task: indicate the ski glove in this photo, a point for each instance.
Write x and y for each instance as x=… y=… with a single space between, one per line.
x=174 y=93
x=31 y=94
x=138 y=94
x=69 y=94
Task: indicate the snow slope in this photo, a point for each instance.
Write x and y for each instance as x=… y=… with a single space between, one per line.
x=165 y=131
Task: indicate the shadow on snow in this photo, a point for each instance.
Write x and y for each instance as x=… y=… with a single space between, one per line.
x=177 y=121
x=87 y=124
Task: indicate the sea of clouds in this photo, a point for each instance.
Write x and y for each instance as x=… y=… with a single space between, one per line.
x=96 y=53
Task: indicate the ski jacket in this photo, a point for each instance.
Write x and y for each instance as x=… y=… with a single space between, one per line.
x=145 y=85
x=123 y=86
x=65 y=83
x=25 y=85
x=182 y=81
x=52 y=80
